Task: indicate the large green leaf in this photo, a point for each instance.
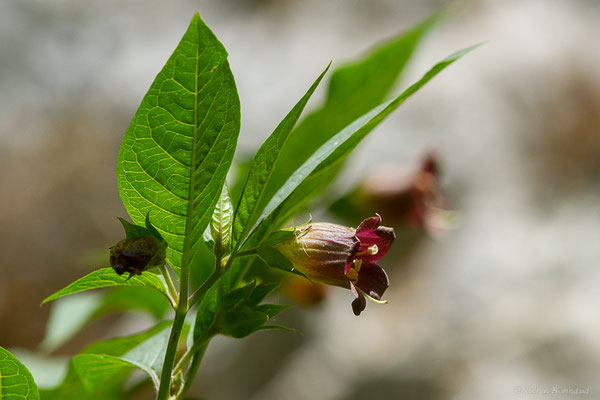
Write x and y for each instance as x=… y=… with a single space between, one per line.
x=97 y=369
x=108 y=384
x=120 y=346
x=71 y=313
x=176 y=153
x=68 y=316
x=72 y=388
x=354 y=89
x=312 y=173
x=262 y=167
x=105 y=277
x=16 y=382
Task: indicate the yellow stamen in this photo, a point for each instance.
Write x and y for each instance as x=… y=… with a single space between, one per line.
x=352 y=274
x=357 y=264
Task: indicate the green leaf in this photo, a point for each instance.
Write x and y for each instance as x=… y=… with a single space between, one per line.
x=206 y=314
x=202 y=265
x=260 y=292
x=135 y=231
x=262 y=167
x=237 y=297
x=273 y=258
x=241 y=323
x=309 y=175
x=47 y=371
x=277 y=237
x=222 y=220
x=70 y=314
x=121 y=345
x=73 y=387
x=176 y=153
x=16 y=381
x=67 y=317
x=279 y=327
x=271 y=310
x=107 y=277
x=95 y=370
x=354 y=89
x=142 y=298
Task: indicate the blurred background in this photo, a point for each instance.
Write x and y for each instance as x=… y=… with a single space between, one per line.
x=496 y=300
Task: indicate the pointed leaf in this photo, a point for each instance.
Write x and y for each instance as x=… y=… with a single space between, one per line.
x=121 y=345
x=279 y=327
x=67 y=317
x=70 y=314
x=176 y=153
x=16 y=382
x=241 y=323
x=338 y=147
x=262 y=167
x=72 y=386
x=136 y=231
x=107 y=277
x=260 y=292
x=273 y=258
x=277 y=237
x=272 y=309
x=96 y=369
x=354 y=89
x=207 y=311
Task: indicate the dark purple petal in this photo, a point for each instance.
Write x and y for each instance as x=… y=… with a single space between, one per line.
x=359 y=303
x=372 y=280
x=370 y=233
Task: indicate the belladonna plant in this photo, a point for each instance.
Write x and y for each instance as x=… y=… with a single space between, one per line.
x=193 y=242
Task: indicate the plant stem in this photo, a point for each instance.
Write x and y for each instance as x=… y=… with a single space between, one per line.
x=180 y=313
x=199 y=293
x=170 y=285
x=198 y=345
x=246 y=253
x=165 y=377
x=191 y=372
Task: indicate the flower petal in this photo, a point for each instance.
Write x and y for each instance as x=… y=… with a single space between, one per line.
x=372 y=280
x=359 y=303
x=370 y=233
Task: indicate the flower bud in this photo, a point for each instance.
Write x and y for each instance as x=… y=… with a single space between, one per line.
x=136 y=255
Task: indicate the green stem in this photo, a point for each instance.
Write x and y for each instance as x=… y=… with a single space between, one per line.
x=246 y=253
x=191 y=372
x=170 y=285
x=180 y=313
x=199 y=344
x=165 y=377
x=199 y=293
